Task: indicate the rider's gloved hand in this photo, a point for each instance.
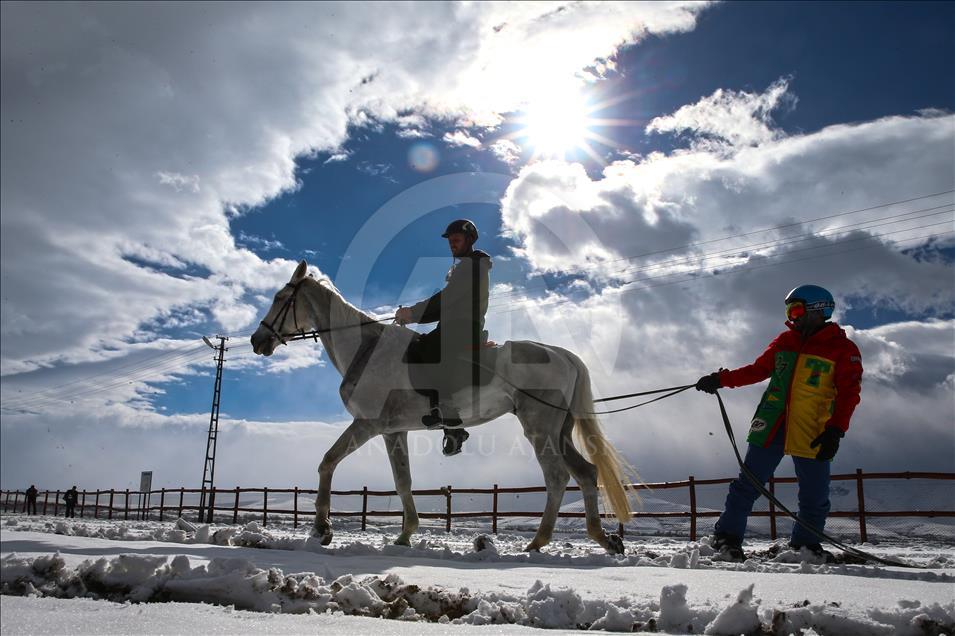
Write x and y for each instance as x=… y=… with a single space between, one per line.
x=709 y=383
x=828 y=443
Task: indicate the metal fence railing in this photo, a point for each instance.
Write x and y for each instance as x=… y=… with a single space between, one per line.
x=866 y=506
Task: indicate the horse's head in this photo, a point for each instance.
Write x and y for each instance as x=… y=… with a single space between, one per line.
x=286 y=317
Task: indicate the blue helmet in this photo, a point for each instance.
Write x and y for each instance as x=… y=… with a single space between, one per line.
x=815 y=298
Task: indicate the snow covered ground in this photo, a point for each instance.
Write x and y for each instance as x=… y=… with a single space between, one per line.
x=98 y=576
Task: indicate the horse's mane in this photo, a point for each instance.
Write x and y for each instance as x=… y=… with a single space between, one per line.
x=347 y=312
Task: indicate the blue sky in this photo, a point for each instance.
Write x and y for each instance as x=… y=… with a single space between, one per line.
x=210 y=180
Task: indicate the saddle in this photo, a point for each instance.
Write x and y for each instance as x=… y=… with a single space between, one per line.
x=453 y=370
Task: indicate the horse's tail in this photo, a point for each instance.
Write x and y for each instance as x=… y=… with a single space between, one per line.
x=613 y=471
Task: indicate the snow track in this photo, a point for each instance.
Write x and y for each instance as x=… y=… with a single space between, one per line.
x=661 y=585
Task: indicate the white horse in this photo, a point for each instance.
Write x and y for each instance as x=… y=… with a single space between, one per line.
x=377 y=392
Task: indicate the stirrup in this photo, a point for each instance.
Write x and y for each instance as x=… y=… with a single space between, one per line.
x=435 y=418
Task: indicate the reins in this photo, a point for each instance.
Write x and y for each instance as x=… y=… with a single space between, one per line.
x=300 y=333
x=666 y=393
x=674 y=390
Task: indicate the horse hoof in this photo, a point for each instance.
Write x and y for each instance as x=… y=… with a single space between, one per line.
x=403 y=540
x=614 y=544
x=532 y=548
x=323 y=534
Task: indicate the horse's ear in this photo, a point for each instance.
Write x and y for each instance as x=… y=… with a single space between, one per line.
x=300 y=271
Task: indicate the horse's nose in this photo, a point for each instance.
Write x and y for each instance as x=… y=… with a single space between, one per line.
x=256 y=341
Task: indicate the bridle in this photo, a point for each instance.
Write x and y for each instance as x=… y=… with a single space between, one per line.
x=300 y=333
x=283 y=315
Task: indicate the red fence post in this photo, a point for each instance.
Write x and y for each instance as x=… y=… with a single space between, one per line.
x=265 y=506
x=126 y=506
x=235 y=508
x=182 y=495
x=692 y=509
x=16 y=501
x=364 y=507
x=46 y=496
x=109 y=514
x=96 y=506
x=162 y=502
x=772 y=508
x=494 y=511
x=83 y=504
x=295 y=508
x=863 y=535
x=447 y=496
x=56 y=504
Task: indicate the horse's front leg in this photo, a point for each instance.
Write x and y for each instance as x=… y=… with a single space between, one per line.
x=357 y=433
x=397 y=447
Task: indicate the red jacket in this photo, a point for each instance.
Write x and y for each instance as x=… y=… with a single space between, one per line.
x=815 y=383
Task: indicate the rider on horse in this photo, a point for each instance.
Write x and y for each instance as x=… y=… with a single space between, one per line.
x=459 y=310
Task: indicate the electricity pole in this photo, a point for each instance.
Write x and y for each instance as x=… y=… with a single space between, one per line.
x=209 y=468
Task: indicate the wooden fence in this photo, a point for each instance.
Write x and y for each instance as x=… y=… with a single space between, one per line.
x=110 y=504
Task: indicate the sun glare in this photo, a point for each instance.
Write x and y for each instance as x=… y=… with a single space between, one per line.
x=557 y=124
x=560 y=124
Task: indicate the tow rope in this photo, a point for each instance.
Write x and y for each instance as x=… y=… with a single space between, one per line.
x=818 y=533
x=674 y=390
x=667 y=392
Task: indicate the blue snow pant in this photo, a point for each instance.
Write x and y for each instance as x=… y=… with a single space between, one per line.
x=813 y=479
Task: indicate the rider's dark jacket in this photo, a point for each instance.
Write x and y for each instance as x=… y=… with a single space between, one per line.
x=459 y=308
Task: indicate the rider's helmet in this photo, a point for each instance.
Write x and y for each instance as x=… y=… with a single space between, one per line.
x=812 y=298
x=462 y=226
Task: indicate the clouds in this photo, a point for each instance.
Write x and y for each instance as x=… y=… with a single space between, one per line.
x=734 y=117
x=692 y=300
x=566 y=221
x=133 y=135
x=136 y=130
x=461 y=138
x=569 y=222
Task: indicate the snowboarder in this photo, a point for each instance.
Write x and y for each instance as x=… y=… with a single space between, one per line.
x=815 y=376
x=31 y=500
x=459 y=310
x=69 y=498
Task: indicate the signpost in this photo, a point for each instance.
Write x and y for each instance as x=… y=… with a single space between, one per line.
x=145 y=485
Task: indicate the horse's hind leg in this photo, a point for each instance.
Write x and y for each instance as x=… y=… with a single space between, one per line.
x=585 y=474
x=546 y=443
x=397 y=446
x=358 y=432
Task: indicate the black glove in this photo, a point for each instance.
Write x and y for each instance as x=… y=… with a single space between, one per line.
x=709 y=383
x=828 y=443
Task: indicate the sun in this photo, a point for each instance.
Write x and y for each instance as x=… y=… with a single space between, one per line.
x=559 y=123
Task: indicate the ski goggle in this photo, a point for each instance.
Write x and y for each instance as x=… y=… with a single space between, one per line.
x=795 y=310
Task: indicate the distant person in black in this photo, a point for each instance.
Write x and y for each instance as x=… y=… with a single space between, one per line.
x=31 y=500
x=70 y=497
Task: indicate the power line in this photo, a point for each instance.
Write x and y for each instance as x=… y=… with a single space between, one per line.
x=700 y=259
x=166 y=367
x=784 y=226
x=750 y=233
x=861 y=225
x=142 y=375
x=129 y=366
x=170 y=360
x=737 y=270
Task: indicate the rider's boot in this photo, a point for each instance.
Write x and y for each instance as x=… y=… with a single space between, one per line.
x=454 y=439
